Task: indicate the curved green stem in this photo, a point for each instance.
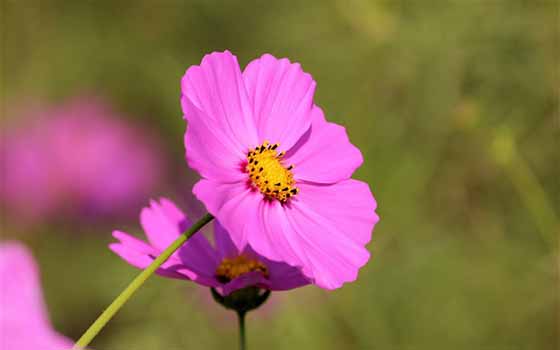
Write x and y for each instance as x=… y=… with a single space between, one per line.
x=242 y=339
x=115 y=306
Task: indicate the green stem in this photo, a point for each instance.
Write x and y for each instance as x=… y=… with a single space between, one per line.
x=242 y=340
x=115 y=306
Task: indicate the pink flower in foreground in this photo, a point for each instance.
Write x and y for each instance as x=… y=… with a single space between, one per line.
x=224 y=267
x=79 y=156
x=275 y=172
x=24 y=324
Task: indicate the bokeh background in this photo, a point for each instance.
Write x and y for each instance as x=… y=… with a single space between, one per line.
x=454 y=105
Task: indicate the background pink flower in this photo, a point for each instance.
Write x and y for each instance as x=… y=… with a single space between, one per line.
x=24 y=323
x=78 y=157
x=274 y=172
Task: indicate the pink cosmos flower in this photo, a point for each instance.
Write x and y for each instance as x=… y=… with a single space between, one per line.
x=224 y=267
x=24 y=324
x=274 y=171
x=78 y=156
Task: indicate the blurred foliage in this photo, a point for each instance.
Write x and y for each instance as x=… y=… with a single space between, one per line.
x=453 y=103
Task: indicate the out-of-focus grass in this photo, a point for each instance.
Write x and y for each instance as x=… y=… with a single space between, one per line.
x=424 y=89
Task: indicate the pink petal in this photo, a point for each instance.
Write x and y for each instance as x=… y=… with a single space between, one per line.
x=216 y=87
x=224 y=245
x=272 y=236
x=238 y=215
x=323 y=230
x=215 y=194
x=333 y=258
x=24 y=323
x=133 y=243
x=281 y=275
x=234 y=204
x=198 y=256
x=324 y=154
x=245 y=280
x=284 y=277
x=209 y=149
x=348 y=206
x=163 y=222
x=139 y=254
x=21 y=291
x=334 y=223
x=281 y=94
x=20 y=339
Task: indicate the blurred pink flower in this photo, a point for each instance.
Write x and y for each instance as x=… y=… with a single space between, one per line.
x=274 y=172
x=79 y=156
x=24 y=323
x=224 y=267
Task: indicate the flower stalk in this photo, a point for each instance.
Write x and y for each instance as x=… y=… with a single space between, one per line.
x=242 y=301
x=242 y=339
x=126 y=294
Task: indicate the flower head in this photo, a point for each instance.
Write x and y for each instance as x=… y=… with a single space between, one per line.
x=77 y=156
x=224 y=267
x=274 y=171
x=24 y=324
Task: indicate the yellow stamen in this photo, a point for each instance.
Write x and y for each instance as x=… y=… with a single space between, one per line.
x=268 y=174
x=230 y=269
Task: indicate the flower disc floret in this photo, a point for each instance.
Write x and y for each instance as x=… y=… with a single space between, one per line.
x=268 y=174
x=231 y=268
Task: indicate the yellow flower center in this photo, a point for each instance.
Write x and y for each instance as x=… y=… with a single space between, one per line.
x=268 y=174
x=230 y=269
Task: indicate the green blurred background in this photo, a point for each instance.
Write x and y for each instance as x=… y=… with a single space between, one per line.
x=453 y=103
